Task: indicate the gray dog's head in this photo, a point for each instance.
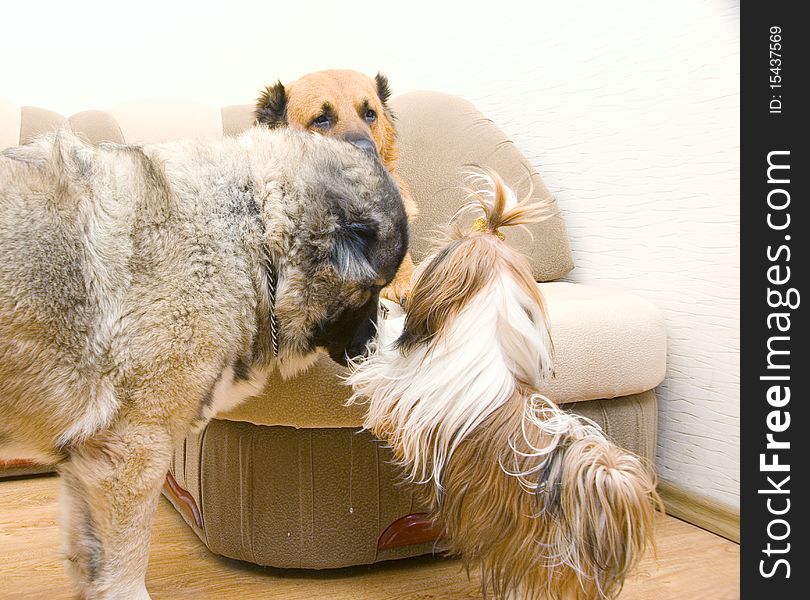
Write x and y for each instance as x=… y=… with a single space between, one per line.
x=345 y=235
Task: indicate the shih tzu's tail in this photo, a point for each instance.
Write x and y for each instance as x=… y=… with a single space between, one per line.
x=545 y=505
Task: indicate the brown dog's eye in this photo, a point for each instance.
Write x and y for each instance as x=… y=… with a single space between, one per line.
x=321 y=121
x=371 y=115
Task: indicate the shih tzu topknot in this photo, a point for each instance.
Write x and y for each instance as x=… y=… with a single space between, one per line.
x=534 y=496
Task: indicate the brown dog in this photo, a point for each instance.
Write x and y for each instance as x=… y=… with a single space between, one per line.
x=351 y=106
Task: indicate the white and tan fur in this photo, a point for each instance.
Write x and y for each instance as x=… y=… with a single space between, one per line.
x=535 y=497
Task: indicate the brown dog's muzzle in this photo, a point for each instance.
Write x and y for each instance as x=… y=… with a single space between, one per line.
x=365 y=143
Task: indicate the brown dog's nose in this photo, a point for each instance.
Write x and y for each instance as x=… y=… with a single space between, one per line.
x=364 y=143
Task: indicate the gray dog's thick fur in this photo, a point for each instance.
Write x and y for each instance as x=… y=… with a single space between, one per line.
x=135 y=301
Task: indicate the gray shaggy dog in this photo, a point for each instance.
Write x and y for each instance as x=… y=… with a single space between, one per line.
x=144 y=288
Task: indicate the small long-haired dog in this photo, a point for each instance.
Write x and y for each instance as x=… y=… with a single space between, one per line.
x=535 y=497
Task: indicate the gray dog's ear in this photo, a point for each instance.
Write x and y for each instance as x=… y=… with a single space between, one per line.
x=352 y=252
x=271 y=107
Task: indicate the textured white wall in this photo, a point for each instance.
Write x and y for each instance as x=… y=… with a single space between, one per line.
x=630 y=110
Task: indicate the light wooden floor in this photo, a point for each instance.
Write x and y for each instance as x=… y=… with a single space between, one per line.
x=691 y=564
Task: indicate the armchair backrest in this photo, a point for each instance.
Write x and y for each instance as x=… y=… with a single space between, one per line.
x=440 y=136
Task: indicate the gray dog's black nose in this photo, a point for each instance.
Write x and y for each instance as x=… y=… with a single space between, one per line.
x=364 y=143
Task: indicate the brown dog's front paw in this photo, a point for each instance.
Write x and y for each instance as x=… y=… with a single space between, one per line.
x=399 y=289
x=396 y=292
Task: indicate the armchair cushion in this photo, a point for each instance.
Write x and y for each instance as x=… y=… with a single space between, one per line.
x=607 y=344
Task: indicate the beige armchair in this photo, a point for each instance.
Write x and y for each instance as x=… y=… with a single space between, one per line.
x=286 y=479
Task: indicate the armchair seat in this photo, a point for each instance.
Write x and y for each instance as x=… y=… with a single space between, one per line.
x=287 y=479
x=607 y=344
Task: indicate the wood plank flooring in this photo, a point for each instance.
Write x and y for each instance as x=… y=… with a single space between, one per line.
x=691 y=564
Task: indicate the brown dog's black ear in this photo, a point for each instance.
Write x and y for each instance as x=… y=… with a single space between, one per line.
x=383 y=89
x=384 y=92
x=271 y=107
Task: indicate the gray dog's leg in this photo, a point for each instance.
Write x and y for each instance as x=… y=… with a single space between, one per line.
x=112 y=484
x=81 y=547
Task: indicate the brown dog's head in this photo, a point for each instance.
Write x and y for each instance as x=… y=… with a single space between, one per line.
x=340 y=103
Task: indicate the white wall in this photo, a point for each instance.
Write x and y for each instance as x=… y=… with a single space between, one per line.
x=630 y=110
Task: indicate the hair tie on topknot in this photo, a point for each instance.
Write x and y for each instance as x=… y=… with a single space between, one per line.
x=480 y=226
x=500 y=205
